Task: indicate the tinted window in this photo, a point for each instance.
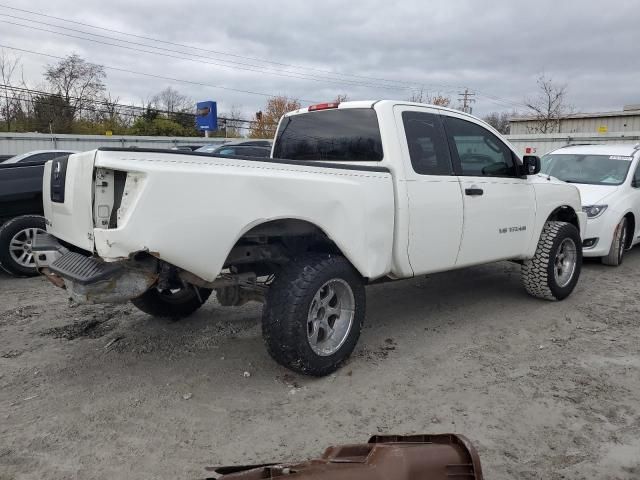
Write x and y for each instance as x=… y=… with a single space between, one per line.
x=338 y=134
x=636 y=177
x=479 y=152
x=427 y=143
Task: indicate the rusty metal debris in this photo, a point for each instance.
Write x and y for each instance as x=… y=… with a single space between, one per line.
x=388 y=457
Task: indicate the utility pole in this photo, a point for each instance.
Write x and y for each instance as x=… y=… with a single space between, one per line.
x=466 y=100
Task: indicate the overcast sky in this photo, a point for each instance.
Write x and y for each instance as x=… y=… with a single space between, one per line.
x=364 y=49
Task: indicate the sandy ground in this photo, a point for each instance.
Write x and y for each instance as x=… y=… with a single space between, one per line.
x=545 y=390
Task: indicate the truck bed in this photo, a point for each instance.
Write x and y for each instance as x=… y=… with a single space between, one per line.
x=190 y=208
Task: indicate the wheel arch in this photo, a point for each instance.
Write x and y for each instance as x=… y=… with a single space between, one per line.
x=300 y=235
x=565 y=213
x=631 y=231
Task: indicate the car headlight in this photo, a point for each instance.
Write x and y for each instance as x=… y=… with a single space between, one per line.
x=594 y=211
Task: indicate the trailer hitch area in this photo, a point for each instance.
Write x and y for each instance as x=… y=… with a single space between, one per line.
x=390 y=457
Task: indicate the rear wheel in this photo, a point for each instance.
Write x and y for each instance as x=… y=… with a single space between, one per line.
x=618 y=244
x=312 y=319
x=174 y=303
x=554 y=270
x=16 y=240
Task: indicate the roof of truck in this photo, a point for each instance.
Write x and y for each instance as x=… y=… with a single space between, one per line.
x=371 y=103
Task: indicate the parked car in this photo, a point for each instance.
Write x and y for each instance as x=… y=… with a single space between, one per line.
x=39 y=157
x=21 y=209
x=608 y=177
x=357 y=192
x=257 y=148
x=188 y=148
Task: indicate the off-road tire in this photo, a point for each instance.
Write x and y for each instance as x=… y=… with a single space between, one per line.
x=285 y=313
x=618 y=245
x=7 y=231
x=538 y=273
x=177 y=306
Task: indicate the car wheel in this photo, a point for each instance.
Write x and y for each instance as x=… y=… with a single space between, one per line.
x=16 y=239
x=314 y=312
x=554 y=270
x=174 y=303
x=618 y=244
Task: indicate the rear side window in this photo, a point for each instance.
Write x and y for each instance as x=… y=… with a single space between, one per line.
x=427 y=143
x=350 y=134
x=480 y=153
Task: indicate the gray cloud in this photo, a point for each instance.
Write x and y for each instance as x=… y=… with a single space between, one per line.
x=496 y=48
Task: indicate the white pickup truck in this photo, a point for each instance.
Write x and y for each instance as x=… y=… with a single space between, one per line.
x=354 y=193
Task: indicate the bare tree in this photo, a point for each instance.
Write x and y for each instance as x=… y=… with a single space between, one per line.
x=266 y=122
x=233 y=122
x=173 y=101
x=425 y=97
x=343 y=97
x=548 y=106
x=10 y=99
x=500 y=121
x=78 y=82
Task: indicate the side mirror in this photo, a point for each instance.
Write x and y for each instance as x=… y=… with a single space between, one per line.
x=531 y=164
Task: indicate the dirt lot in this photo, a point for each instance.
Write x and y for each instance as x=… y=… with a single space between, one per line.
x=545 y=390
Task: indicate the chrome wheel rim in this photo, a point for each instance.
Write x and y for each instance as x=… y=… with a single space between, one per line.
x=20 y=247
x=565 y=262
x=330 y=317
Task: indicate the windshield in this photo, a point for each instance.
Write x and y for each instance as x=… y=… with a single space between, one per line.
x=588 y=169
x=349 y=134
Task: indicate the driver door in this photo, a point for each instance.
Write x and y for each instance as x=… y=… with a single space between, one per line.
x=499 y=202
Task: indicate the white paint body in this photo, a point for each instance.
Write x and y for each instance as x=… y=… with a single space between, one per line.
x=621 y=200
x=190 y=210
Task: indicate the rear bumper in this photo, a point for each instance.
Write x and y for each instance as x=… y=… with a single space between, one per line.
x=88 y=279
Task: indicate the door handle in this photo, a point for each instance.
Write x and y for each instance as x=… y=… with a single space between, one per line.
x=473 y=191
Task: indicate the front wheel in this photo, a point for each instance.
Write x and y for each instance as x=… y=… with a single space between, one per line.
x=618 y=244
x=554 y=270
x=314 y=313
x=174 y=303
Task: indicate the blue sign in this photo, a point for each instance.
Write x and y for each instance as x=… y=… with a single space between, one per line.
x=207 y=115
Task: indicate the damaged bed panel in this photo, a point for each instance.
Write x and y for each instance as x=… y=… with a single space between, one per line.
x=222 y=199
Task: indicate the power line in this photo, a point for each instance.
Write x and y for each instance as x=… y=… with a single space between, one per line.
x=242 y=66
x=234 y=65
x=113 y=105
x=408 y=85
x=228 y=123
x=151 y=75
x=217 y=52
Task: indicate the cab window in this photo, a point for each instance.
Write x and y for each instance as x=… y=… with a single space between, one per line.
x=427 y=143
x=477 y=151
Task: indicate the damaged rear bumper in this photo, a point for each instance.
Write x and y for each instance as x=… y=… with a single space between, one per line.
x=89 y=279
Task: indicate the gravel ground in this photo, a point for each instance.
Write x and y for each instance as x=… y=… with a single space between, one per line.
x=544 y=390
